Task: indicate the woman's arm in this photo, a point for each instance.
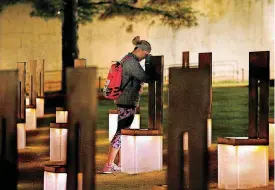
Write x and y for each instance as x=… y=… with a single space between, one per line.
x=137 y=71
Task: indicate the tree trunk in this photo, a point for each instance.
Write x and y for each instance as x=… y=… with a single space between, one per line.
x=69 y=38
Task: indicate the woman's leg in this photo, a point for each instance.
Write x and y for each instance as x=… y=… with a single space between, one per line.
x=125 y=119
x=112 y=155
x=118 y=162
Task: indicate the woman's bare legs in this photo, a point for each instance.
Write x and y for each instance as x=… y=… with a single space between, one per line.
x=119 y=154
x=112 y=155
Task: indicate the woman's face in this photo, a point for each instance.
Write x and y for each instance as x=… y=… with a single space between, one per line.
x=143 y=54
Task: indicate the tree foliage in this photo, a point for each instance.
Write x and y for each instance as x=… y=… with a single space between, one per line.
x=6 y=3
x=175 y=13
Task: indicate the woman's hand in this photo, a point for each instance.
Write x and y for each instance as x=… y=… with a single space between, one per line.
x=141 y=88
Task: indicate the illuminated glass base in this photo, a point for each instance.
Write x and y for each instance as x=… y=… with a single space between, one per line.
x=242 y=166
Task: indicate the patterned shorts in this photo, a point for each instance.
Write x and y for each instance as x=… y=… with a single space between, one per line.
x=125 y=119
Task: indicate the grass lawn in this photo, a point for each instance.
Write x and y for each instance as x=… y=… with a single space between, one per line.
x=229 y=111
x=230 y=118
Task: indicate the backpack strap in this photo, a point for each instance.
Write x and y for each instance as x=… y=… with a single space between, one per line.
x=131 y=78
x=124 y=59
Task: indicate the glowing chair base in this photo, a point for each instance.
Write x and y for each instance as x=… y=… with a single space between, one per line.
x=242 y=163
x=30 y=118
x=271 y=139
x=40 y=105
x=61 y=115
x=55 y=177
x=21 y=136
x=58 y=142
x=141 y=151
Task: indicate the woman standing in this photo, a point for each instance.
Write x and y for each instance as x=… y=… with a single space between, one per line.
x=129 y=98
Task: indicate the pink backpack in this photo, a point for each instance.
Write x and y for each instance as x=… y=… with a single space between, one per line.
x=112 y=88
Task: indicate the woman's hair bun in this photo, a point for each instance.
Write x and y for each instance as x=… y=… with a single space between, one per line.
x=136 y=40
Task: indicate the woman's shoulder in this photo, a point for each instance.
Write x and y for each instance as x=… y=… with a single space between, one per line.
x=129 y=59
